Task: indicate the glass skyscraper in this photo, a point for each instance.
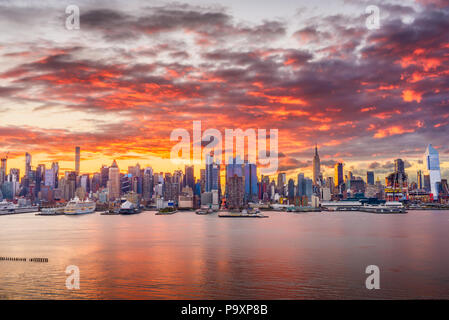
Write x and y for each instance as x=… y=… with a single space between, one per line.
x=432 y=168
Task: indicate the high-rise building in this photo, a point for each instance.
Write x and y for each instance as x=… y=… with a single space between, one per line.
x=49 y=179
x=114 y=185
x=370 y=177
x=212 y=174
x=338 y=174
x=234 y=187
x=27 y=164
x=432 y=168
x=316 y=167
x=3 y=170
x=104 y=176
x=282 y=181
x=55 y=168
x=148 y=183
x=300 y=189
x=189 y=177
x=399 y=166
x=251 y=188
x=203 y=179
x=77 y=160
x=291 y=189
x=397 y=179
x=419 y=179
x=426 y=182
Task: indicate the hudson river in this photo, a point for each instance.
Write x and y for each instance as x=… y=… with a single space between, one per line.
x=187 y=256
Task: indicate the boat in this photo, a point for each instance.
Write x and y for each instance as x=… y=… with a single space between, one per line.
x=243 y=214
x=6 y=207
x=204 y=211
x=388 y=207
x=77 y=207
x=51 y=211
x=11 y=208
x=297 y=209
x=24 y=208
x=129 y=208
x=166 y=211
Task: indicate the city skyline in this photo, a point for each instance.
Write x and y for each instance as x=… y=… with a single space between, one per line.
x=117 y=86
x=331 y=171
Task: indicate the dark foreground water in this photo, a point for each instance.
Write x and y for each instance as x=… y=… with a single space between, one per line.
x=186 y=256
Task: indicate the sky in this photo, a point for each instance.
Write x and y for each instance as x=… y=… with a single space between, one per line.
x=136 y=70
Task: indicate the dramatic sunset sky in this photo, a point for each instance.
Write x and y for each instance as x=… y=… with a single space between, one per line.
x=136 y=70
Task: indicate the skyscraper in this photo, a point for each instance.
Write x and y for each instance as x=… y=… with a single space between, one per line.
x=300 y=189
x=55 y=168
x=3 y=170
x=432 y=168
x=212 y=174
x=282 y=180
x=419 y=179
x=27 y=164
x=316 y=166
x=251 y=188
x=370 y=177
x=114 y=181
x=77 y=160
x=234 y=190
x=189 y=177
x=338 y=174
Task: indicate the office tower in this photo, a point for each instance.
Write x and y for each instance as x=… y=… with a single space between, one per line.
x=282 y=180
x=432 y=168
x=171 y=188
x=148 y=183
x=95 y=182
x=234 y=168
x=370 y=177
x=300 y=185
x=85 y=182
x=55 y=168
x=39 y=177
x=419 y=179
x=399 y=166
x=77 y=160
x=114 y=181
x=49 y=178
x=397 y=179
x=308 y=188
x=27 y=164
x=104 y=176
x=338 y=174
x=212 y=175
x=69 y=185
x=3 y=170
x=316 y=167
x=203 y=179
x=291 y=189
x=234 y=199
x=14 y=175
x=134 y=170
x=251 y=189
x=426 y=179
x=189 y=177
x=125 y=183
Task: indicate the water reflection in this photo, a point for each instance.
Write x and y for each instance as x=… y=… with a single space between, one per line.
x=186 y=256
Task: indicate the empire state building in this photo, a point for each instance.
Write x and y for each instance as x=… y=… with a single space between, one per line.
x=316 y=166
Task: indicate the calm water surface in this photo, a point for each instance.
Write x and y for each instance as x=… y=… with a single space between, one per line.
x=187 y=256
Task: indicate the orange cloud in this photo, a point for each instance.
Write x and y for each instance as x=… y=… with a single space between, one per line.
x=391 y=131
x=411 y=95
